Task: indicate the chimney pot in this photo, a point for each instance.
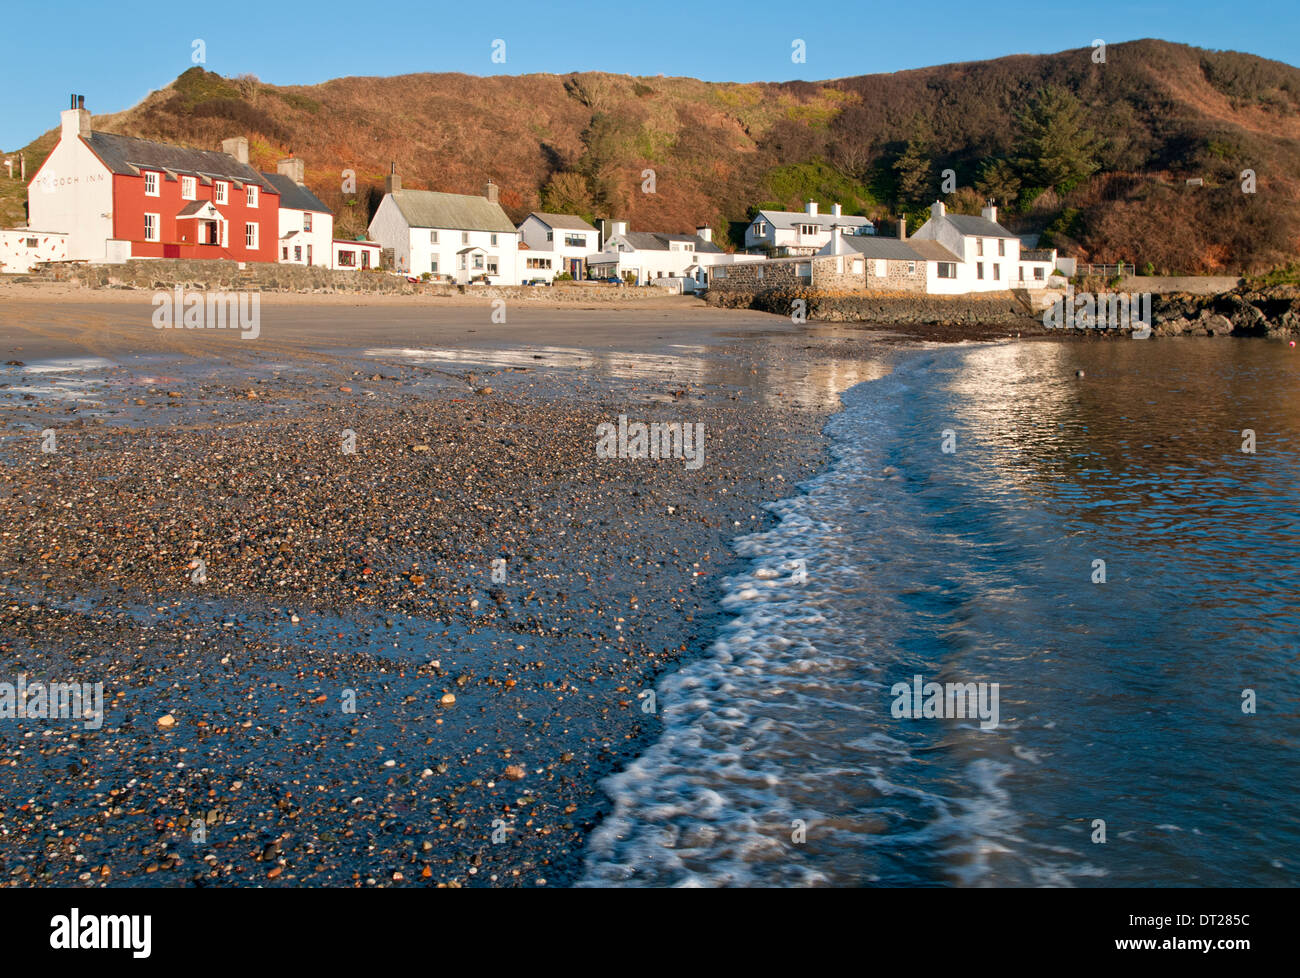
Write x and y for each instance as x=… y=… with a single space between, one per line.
x=81 y=101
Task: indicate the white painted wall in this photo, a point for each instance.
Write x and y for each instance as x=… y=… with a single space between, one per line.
x=533 y=233
x=320 y=237
x=72 y=192
x=18 y=254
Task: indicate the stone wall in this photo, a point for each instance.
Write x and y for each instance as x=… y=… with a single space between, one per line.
x=827 y=276
x=985 y=307
x=227 y=276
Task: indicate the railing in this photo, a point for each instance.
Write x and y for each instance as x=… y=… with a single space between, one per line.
x=1106 y=271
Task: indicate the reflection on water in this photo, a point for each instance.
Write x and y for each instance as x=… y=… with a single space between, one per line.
x=1121 y=702
x=768 y=380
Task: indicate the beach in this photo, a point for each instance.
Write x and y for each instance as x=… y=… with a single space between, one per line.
x=366 y=606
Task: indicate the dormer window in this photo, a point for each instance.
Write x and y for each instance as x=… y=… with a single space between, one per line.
x=150 y=183
x=808 y=230
x=219 y=189
x=189 y=188
x=250 y=195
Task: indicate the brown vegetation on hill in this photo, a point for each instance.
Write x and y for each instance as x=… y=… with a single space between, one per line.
x=1152 y=116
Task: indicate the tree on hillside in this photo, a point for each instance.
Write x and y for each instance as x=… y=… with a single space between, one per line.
x=998 y=180
x=1056 y=148
x=914 y=169
x=568 y=193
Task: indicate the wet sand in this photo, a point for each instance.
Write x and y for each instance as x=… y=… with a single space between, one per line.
x=355 y=700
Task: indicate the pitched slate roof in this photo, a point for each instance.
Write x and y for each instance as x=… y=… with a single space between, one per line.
x=294 y=195
x=562 y=222
x=460 y=212
x=980 y=227
x=788 y=219
x=128 y=155
x=910 y=249
x=931 y=250
x=655 y=241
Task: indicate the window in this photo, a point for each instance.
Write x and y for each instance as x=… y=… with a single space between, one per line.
x=286 y=253
x=911 y=268
x=979 y=246
x=492 y=265
x=189 y=187
x=478 y=262
x=250 y=236
x=857 y=266
x=492 y=240
x=720 y=272
x=250 y=196
x=150 y=183
x=808 y=229
x=997 y=271
x=550 y=235
x=979 y=269
x=151 y=227
x=31 y=243
x=306 y=220
x=947 y=269
x=219 y=192
x=309 y=255
x=1022 y=273
x=575 y=241
x=804 y=270
x=297 y=252
x=538 y=263
x=347 y=259
x=881 y=268
x=433 y=237
x=433 y=266
x=760 y=229
x=464 y=237
x=1038 y=274
x=1002 y=248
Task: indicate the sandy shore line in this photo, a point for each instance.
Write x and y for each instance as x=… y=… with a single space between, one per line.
x=344 y=597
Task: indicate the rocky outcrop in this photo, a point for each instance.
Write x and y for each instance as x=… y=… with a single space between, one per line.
x=1274 y=311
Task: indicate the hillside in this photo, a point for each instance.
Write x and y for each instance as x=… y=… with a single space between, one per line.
x=1152 y=116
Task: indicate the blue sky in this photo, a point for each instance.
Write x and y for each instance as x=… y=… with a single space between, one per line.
x=116 y=54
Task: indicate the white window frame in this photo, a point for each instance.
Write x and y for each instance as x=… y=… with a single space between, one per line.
x=433 y=237
x=251 y=195
x=219 y=190
x=250 y=235
x=189 y=188
x=306 y=220
x=152 y=222
x=151 y=180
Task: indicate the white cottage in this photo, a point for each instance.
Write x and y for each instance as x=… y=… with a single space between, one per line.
x=650 y=257
x=455 y=237
x=789 y=234
x=988 y=256
x=556 y=243
x=306 y=224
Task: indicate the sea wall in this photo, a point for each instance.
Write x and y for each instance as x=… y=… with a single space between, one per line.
x=907 y=308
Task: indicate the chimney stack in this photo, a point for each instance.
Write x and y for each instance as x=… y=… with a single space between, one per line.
x=392 y=182
x=491 y=193
x=74 y=120
x=835 y=210
x=990 y=212
x=704 y=234
x=237 y=147
x=902 y=229
x=811 y=208
x=937 y=209
x=293 y=168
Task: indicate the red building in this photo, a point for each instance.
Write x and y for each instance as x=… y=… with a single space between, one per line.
x=121 y=197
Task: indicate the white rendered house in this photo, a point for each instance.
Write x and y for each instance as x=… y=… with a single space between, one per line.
x=306 y=224
x=797 y=233
x=454 y=237
x=556 y=243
